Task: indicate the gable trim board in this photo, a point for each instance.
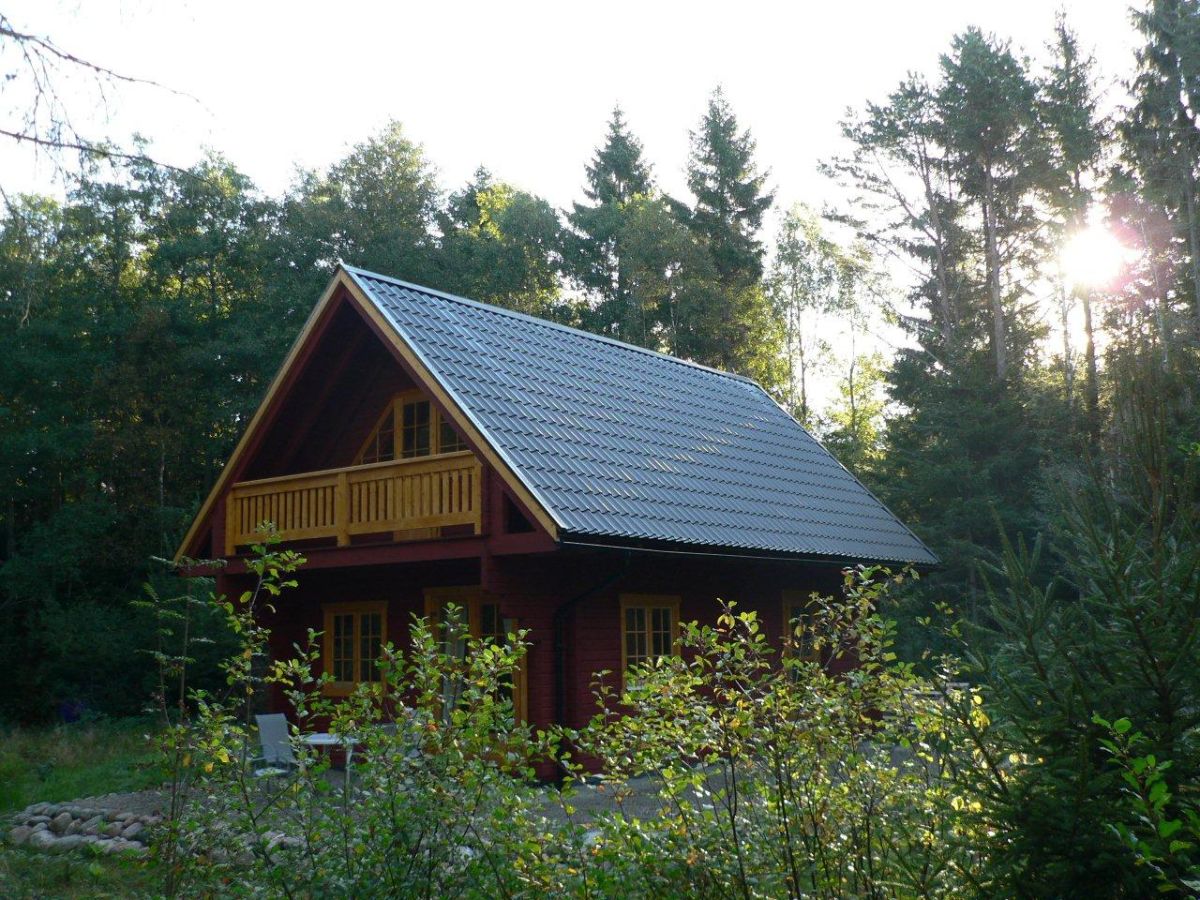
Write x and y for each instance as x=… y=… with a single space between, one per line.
x=719 y=467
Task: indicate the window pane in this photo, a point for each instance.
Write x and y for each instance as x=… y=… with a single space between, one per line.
x=448 y=439
x=380 y=446
x=661 y=631
x=416 y=429
x=635 y=635
x=490 y=623
x=343 y=648
x=370 y=640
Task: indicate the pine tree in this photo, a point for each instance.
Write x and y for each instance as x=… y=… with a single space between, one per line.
x=989 y=114
x=731 y=199
x=616 y=177
x=731 y=324
x=1160 y=134
x=1078 y=139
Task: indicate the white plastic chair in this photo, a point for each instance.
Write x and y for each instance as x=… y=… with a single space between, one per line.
x=278 y=757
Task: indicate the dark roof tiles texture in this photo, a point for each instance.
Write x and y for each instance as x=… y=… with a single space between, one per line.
x=619 y=442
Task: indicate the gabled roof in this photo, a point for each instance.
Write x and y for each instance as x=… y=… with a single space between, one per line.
x=616 y=443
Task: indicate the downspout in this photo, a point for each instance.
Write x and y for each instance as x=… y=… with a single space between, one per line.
x=560 y=636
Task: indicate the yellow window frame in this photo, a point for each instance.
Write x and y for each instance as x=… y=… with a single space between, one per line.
x=358 y=610
x=648 y=603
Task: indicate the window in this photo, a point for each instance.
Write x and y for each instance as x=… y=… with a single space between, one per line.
x=415 y=440
x=410 y=427
x=484 y=619
x=649 y=626
x=798 y=634
x=354 y=636
x=381 y=445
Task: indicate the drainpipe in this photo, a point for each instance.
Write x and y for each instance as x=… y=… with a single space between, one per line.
x=560 y=636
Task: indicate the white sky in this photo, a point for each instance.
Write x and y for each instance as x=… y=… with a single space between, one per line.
x=524 y=88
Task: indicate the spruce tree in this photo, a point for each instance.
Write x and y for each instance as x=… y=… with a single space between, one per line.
x=730 y=195
x=1161 y=136
x=731 y=324
x=595 y=256
x=1078 y=139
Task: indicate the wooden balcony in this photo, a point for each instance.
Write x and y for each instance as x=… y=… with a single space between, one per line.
x=396 y=496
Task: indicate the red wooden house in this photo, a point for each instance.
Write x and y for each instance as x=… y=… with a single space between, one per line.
x=424 y=449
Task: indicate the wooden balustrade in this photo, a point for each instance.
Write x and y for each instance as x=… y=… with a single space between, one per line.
x=401 y=495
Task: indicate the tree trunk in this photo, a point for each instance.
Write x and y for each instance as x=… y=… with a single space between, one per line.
x=940 y=274
x=1092 y=386
x=1193 y=243
x=1068 y=354
x=992 y=262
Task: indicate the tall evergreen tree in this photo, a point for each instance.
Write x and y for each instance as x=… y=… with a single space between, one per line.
x=616 y=177
x=732 y=325
x=1161 y=134
x=1078 y=139
x=988 y=107
x=730 y=195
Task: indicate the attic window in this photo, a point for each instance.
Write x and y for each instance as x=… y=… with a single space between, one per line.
x=416 y=436
x=422 y=431
x=381 y=445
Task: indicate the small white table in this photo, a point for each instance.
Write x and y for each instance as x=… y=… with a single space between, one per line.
x=319 y=739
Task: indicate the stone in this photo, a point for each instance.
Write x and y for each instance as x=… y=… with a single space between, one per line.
x=38 y=820
x=66 y=843
x=41 y=826
x=124 y=817
x=113 y=829
x=133 y=830
x=60 y=822
x=42 y=840
x=75 y=827
x=90 y=839
x=19 y=835
x=102 y=845
x=129 y=848
x=92 y=825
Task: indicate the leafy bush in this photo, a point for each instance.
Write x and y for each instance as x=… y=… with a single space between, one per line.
x=775 y=778
x=779 y=779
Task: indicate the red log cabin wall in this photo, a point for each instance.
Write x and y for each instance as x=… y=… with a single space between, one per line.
x=531 y=588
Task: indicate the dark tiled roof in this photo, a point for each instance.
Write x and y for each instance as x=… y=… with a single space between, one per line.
x=622 y=443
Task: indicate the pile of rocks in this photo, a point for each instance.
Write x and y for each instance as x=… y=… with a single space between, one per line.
x=60 y=827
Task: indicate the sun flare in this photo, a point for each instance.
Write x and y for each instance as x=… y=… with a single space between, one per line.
x=1092 y=257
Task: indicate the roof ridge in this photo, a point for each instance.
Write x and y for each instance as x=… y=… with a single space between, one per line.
x=357 y=272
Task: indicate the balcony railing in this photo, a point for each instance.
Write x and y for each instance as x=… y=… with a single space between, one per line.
x=401 y=495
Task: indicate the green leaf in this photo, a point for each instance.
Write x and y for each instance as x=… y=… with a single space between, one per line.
x=1168 y=827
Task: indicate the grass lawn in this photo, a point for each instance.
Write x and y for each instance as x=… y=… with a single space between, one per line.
x=64 y=762
x=25 y=873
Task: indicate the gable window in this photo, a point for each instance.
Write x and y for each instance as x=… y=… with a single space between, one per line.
x=353 y=643
x=798 y=634
x=649 y=627
x=410 y=427
x=381 y=445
